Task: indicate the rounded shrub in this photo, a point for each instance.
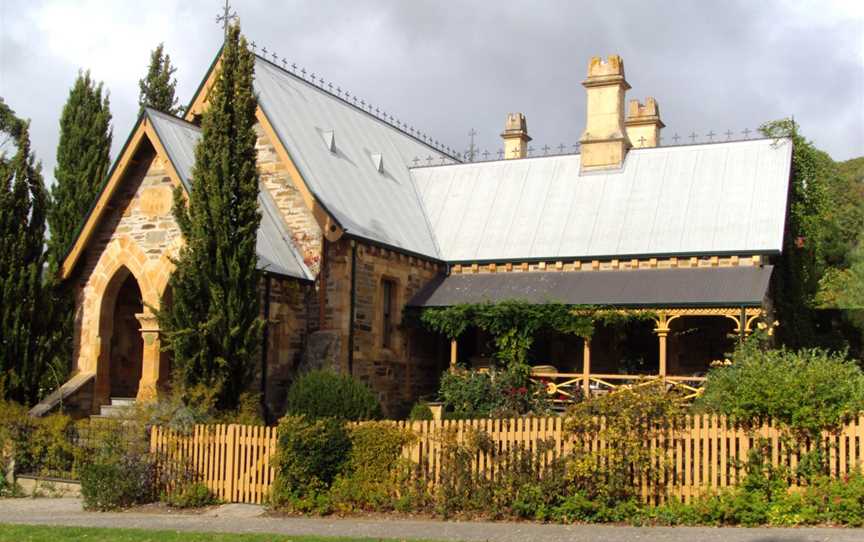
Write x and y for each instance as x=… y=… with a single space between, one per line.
x=420 y=412
x=309 y=455
x=324 y=394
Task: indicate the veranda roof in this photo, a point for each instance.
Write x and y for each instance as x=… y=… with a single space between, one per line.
x=685 y=287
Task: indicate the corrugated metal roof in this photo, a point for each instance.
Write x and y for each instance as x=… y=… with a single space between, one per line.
x=275 y=250
x=710 y=199
x=380 y=206
x=715 y=286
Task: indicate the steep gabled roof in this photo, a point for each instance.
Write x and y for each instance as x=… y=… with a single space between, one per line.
x=685 y=200
x=177 y=138
x=364 y=181
x=276 y=251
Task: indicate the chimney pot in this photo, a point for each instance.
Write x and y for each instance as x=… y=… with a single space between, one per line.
x=604 y=142
x=515 y=136
x=643 y=123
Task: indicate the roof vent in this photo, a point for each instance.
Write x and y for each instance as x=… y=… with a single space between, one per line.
x=330 y=140
x=378 y=160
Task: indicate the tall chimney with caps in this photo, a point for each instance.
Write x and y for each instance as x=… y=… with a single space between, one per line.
x=604 y=143
x=515 y=136
x=643 y=123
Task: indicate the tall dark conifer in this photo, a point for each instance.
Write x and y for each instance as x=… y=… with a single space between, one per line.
x=158 y=87
x=82 y=161
x=23 y=202
x=213 y=325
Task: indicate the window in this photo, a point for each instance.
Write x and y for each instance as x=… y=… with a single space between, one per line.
x=388 y=298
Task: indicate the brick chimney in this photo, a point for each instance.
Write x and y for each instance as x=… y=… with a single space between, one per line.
x=643 y=123
x=515 y=136
x=604 y=142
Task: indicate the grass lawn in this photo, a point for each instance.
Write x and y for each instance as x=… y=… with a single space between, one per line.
x=38 y=533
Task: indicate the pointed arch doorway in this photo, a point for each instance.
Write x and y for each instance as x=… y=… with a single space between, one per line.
x=130 y=361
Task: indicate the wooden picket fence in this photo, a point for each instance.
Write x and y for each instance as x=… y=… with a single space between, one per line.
x=232 y=460
x=705 y=454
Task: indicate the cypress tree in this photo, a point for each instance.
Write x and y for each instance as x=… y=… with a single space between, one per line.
x=212 y=325
x=23 y=202
x=82 y=162
x=159 y=85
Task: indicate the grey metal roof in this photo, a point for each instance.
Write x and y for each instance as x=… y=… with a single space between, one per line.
x=712 y=198
x=713 y=286
x=382 y=206
x=276 y=252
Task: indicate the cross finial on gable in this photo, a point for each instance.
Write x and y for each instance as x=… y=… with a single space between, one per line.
x=226 y=17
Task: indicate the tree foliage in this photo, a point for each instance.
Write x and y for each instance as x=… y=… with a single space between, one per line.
x=158 y=87
x=323 y=394
x=825 y=224
x=82 y=162
x=23 y=205
x=213 y=325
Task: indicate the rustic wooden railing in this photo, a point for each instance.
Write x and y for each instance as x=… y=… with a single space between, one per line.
x=567 y=388
x=705 y=454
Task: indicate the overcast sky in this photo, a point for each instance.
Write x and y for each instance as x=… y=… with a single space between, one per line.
x=447 y=67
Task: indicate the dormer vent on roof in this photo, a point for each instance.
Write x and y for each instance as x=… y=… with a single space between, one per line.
x=378 y=160
x=330 y=140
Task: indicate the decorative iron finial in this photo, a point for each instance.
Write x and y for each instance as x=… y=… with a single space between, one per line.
x=711 y=135
x=485 y=154
x=226 y=17
x=284 y=63
x=746 y=133
x=293 y=66
x=429 y=159
x=275 y=57
x=416 y=161
x=500 y=154
x=728 y=135
x=561 y=148
x=642 y=141
x=693 y=136
x=675 y=138
x=253 y=46
x=264 y=51
x=545 y=149
x=530 y=150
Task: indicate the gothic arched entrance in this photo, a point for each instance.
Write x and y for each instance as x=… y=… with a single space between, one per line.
x=121 y=342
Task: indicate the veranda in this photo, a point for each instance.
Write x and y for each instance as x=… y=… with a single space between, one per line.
x=676 y=345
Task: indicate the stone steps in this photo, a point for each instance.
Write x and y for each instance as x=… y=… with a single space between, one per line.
x=118 y=408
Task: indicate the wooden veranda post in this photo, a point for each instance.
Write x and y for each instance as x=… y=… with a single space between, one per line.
x=453 y=350
x=586 y=367
x=662 y=331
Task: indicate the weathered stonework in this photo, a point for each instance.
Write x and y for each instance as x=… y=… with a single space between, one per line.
x=410 y=366
x=305 y=231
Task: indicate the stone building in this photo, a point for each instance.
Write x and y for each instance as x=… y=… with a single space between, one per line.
x=365 y=219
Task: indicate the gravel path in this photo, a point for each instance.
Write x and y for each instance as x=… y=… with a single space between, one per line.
x=249 y=519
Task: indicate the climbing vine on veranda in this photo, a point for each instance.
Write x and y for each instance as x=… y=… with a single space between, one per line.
x=514 y=324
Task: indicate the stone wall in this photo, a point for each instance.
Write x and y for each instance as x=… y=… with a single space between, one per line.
x=304 y=229
x=289 y=322
x=410 y=365
x=138 y=232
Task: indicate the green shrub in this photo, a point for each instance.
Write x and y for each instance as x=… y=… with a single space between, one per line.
x=806 y=392
x=629 y=418
x=115 y=465
x=470 y=394
x=42 y=446
x=374 y=472
x=420 y=412
x=323 y=394
x=309 y=455
x=194 y=495
x=110 y=485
